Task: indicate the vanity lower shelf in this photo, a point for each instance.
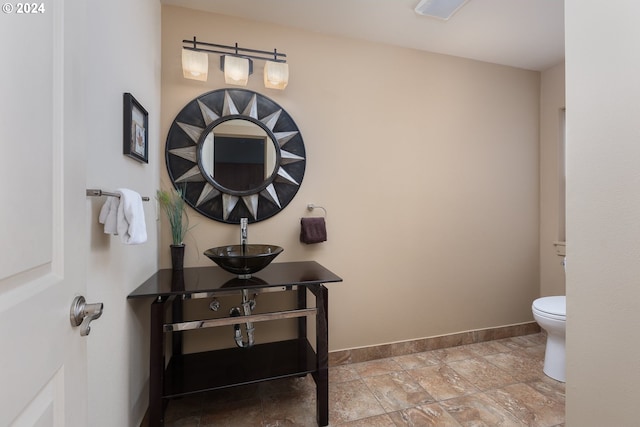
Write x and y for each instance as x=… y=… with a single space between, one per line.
x=211 y=370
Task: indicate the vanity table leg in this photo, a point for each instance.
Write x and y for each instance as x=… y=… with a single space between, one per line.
x=156 y=364
x=302 y=303
x=322 y=348
x=176 y=316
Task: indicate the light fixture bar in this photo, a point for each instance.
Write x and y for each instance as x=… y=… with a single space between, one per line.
x=264 y=55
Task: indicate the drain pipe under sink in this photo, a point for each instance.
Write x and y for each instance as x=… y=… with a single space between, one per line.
x=247 y=306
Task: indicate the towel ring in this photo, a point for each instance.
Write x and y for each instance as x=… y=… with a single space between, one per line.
x=311 y=207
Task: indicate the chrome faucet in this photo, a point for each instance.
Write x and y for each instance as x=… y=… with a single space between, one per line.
x=244 y=237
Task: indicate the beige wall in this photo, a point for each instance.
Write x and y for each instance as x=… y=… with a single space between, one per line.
x=552 y=281
x=603 y=211
x=122 y=55
x=426 y=164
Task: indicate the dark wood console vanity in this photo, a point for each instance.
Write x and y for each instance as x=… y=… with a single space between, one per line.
x=197 y=372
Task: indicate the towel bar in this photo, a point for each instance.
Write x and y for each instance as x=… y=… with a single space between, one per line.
x=98 y=193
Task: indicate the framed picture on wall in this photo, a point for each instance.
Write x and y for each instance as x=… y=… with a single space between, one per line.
x=136 y=125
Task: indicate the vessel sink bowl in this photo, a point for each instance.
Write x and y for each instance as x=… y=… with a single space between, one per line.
x=243 y=260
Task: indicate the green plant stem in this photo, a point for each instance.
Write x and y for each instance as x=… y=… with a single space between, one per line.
x=173 y=205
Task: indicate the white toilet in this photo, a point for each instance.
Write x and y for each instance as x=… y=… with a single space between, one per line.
x=551 y=315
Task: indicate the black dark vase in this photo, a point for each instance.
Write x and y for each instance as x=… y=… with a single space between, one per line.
x=177 y=257
x=177 y=280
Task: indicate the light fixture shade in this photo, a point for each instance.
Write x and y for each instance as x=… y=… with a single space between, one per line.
x=195 y=65
x=236 y=70
x=276 y=75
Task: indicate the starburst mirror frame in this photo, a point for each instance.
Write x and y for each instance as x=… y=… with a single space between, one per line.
x=193 y=126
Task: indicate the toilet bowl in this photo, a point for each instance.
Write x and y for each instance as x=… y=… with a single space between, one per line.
x=551 y=315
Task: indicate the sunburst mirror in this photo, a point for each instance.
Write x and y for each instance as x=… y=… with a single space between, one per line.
x=236 y=154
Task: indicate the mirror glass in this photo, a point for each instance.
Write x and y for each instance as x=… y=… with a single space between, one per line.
x=235 y=154
x=238 y=155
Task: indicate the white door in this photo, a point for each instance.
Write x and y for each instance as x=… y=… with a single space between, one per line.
x=43 y=379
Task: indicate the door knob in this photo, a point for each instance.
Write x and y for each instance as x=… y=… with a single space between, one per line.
x=82 y=314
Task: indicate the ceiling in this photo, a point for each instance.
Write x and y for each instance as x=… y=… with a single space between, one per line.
x=525 y=34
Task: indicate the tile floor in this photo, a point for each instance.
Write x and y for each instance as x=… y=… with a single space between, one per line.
x=494 y=383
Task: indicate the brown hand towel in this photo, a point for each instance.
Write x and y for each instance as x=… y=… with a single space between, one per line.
x=313 y=230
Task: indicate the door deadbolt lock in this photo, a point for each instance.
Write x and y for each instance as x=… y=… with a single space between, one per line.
x=82 y=314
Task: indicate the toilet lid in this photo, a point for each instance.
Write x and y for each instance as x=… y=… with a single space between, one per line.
x=552 y=305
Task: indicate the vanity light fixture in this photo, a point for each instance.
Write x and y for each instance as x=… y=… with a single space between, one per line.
x=236 y=69
x=276 y=75
x=195 y=65
x=237 y=63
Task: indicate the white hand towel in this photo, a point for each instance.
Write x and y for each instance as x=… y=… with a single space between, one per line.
x=131 y=226
x=109 y=215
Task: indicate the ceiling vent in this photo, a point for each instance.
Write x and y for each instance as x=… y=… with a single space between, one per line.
x=440 y=9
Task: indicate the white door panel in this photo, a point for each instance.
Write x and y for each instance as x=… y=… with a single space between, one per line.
x=42 y=216
x=45 y=409
x=26 y=114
